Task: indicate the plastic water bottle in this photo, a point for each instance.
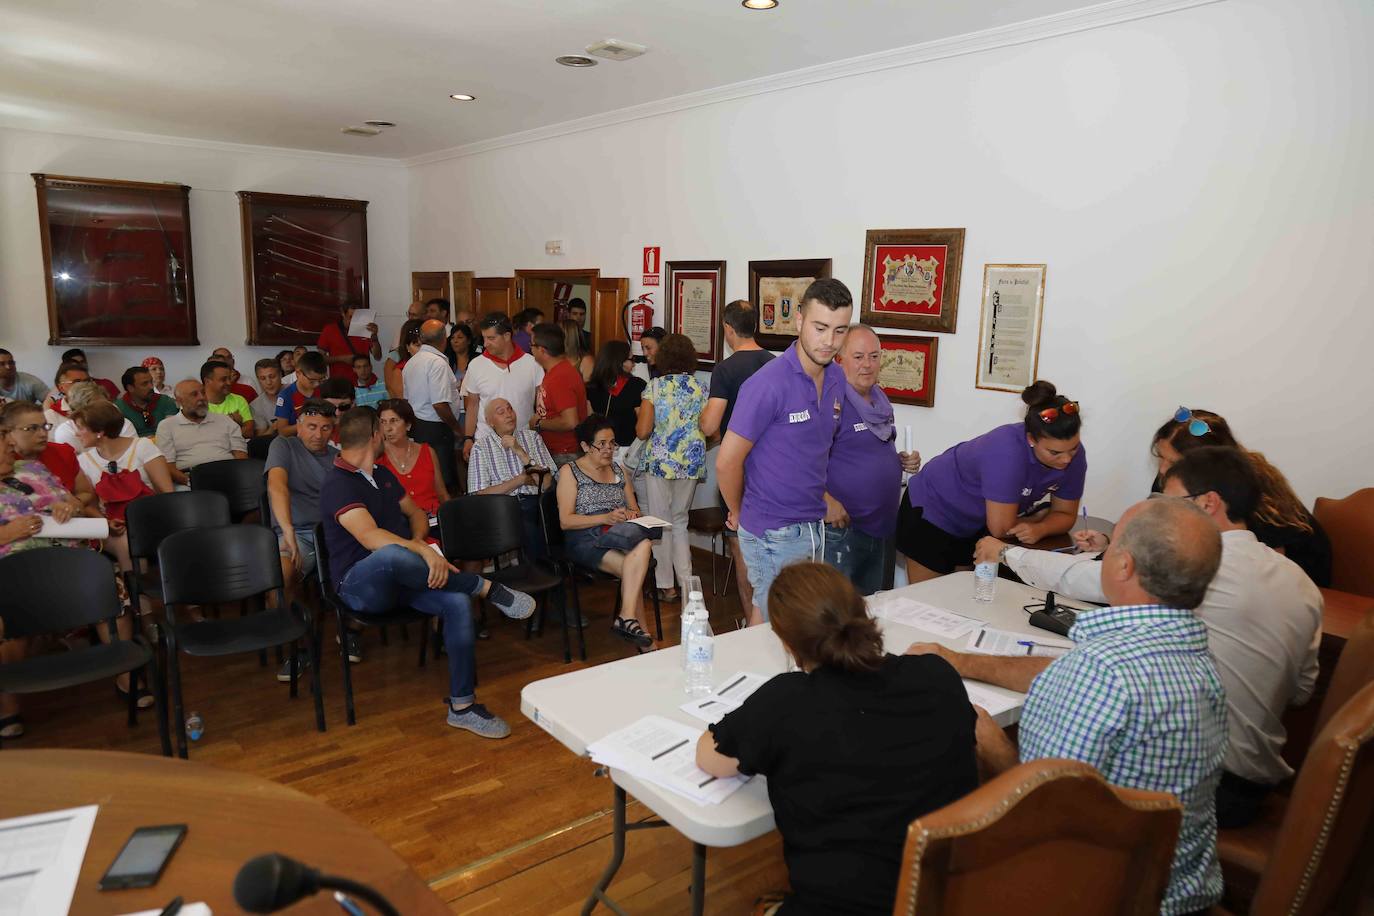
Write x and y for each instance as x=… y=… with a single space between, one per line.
x=984 y=581
x=695 y=604
x=701 y=655
x=195 y=726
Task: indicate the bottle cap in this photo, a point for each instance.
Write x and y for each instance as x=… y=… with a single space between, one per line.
x=694 y=596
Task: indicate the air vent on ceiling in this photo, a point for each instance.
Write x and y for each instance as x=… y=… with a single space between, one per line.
x=380 y=124
x=360 y=131
x=575 y=60
x=615 y=49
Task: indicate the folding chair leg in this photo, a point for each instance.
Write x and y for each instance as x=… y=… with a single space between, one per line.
x=316 y=687
x=178 y=708
x=577 y=618
x=567 y=647
x=347 y=678
x=295 y=665
x=658 y=617
x=424 y=644
x=715 y=537
x=133 y=698
x=159 y=686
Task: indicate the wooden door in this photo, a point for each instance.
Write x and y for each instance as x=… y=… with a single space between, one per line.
x=427 y=285
x=493 y=294
x=462 y=291
x=609 y=295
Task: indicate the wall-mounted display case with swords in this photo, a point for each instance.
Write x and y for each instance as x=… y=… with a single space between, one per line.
x=116 y=261
x=303 y=257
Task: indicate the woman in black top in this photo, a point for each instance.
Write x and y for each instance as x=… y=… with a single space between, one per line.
x=856 y=745
x=613 y=392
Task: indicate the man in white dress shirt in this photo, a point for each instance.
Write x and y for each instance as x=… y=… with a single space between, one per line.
x=1263 y=616
x=430 y=386
x=502 y=371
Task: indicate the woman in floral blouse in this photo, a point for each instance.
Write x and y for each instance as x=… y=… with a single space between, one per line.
x=676 y=455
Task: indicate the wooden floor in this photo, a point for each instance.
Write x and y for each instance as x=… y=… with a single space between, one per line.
x=511 y=827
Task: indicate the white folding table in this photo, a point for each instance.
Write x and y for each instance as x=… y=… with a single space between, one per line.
x=582 y=707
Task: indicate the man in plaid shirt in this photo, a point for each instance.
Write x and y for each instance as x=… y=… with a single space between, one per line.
x=1138 y=696
x=508 y=460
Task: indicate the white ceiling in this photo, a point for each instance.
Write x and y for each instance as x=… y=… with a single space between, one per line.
x=290 y=73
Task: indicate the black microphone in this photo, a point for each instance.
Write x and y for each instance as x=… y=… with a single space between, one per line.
x=273 y=882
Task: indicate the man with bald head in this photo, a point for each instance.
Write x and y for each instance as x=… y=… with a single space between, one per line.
x=864 y=482
x=194 y=435
x=1138 y=697
x=430 y=386
x=507 y=459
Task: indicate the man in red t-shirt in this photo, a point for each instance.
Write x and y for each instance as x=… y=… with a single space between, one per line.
x=339 y=348
x=28 y=428
x=561 y=399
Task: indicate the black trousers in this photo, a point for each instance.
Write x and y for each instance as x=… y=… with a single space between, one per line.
x=1239 y=801
x=432 y=432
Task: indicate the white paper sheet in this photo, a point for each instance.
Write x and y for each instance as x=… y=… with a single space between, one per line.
x=190 y=909
x=361 y=319
x=40 y=860
x=992 y=641
x=994 y=699
x=925 y=617
x=651 y=521
x=77 y=529
x=663 y=752
x=732 y=692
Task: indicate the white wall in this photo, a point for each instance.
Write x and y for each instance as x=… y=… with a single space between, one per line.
x=1199 y=184
x=215 y=173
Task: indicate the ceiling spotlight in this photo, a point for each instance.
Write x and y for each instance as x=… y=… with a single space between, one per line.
x=759 y=4
x=381 y=125
x=462 y=97
x=576 y=60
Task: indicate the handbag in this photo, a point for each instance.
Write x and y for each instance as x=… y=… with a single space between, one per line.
x=117 y=487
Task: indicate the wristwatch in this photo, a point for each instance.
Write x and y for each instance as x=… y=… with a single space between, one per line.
x=1002 y=554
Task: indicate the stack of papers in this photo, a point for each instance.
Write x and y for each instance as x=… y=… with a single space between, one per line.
x=40 y=859
x=925 y=617
x=652 y=521
x=728 y=696
x=994 y=699
x=663 y=752
x=992 y=641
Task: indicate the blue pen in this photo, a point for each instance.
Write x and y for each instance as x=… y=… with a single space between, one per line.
x=1030 y=646
x=347 y=905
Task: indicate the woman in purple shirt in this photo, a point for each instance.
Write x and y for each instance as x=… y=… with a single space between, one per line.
x=994 y=484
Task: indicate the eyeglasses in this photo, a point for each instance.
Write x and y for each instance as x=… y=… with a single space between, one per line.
x=33 y=428
x=14 y=483
x=606 y=446
x=1196 y=425
x=1050 y=414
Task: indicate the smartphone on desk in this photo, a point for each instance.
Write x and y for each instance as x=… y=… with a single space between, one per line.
x=144 y=856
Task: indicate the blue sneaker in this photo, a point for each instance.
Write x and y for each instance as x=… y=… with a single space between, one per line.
x=479 y=721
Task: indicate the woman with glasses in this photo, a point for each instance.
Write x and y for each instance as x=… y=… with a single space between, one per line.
x=594 y=494
x=1281 y=521
x=995 y=485
x=406 y=345
x=415 y=464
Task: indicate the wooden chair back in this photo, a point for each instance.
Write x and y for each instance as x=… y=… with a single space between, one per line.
x=1349 y=523
x=1046 y=837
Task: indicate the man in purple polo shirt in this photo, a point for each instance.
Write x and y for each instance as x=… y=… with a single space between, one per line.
x=772 y=464
x=864 y=482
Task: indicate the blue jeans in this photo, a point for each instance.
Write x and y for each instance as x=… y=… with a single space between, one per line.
x=767 y=553
x=859 y=556
x=394 y=577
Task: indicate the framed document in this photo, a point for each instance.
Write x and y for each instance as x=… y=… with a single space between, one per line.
x=775 y=291
x=116 y=261
x=696 y=293
x=911 y=278
x=1009 y=326
x=303 y=257
x=907 y=371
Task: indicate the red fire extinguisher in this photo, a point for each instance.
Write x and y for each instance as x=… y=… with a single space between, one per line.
x=638 y=316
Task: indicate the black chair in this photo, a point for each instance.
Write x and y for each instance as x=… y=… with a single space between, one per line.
x=151 y=519
x=482 y=527
x=56 y=589
x=239 y=479
x=710 y=521
x=222 y=564
x=553 y=534
x=258 y=446
x=344 y=614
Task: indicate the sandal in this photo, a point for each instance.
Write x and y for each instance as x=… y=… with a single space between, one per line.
x=628 y=629
x=12 y=726
x=145 y=697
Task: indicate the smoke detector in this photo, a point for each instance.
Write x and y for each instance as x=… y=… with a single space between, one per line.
x=615 y=49
x=357 y=131
x=575 y=60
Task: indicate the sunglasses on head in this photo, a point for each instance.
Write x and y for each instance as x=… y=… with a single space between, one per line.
x=1196 y=425
x=319 y=410
x=1050 y=414
x=14 y=483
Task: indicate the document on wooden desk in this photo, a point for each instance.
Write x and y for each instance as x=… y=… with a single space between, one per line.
x=40 y=860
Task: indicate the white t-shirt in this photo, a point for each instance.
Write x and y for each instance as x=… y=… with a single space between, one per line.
x=135 y=458
x=65 y=433
x=488 y=379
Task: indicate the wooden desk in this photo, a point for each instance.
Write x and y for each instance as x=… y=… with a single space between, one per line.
x=230 y=817
x=1343 y=612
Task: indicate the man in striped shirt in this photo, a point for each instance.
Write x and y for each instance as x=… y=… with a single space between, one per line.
x=509 y=460
x=1138 y=697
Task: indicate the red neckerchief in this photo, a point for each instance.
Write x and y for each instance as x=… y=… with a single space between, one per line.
x=516 y=353
x=60 y=406
x=619 y=385
x=147 y=412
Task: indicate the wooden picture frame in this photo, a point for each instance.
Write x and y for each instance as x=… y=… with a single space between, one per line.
x=782 y=284
x=695 y=299
x=907 y=373
x=911 y=279
x=303 y=258
x=1013 y=307
x=116 y=261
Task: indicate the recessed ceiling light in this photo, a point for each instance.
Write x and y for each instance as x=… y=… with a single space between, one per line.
x=576 y=60
x=462 y=97
x=759 y=4
x=380 y=124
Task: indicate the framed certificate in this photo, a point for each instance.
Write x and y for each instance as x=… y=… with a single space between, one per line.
x=907 y=372
x=775 y=291
x=696 y=293
x=1009 y=326
x=911 y=278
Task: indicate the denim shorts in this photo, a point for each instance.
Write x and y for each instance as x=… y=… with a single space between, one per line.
x=859 y=556
x=767 y=553
x=305 y=543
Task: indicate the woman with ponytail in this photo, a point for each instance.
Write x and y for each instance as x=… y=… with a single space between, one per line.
x=995 y=485
x=855 y=745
